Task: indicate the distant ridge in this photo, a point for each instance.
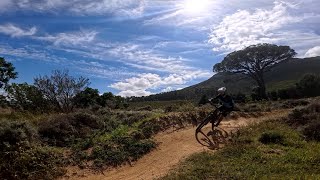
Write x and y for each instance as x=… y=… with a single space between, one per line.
x=284 y=75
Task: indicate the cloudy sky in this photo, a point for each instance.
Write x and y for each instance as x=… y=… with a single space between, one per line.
x=140 y=47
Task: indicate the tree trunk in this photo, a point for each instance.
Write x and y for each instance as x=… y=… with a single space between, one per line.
x=258 y=77
x=262 y=85
x=262 y=88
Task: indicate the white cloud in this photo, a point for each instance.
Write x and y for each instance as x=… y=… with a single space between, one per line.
x=70 y=38
x=77 y=7
x=134 y=55
x=137 y=93
x=167 y=89
x=90 y=68
x=15 y=31
x=243 y=28
x=120 y=7
x=104 y=72
x=276 y=25
x=141 y=82
x=147 y=81
x=29 y=53
x=315 y=51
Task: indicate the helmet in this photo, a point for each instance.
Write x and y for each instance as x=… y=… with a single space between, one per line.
x=222 y=90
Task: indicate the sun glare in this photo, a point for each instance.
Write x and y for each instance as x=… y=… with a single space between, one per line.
x=195 y=7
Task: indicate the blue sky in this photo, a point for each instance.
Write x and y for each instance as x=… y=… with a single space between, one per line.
x=140 y=47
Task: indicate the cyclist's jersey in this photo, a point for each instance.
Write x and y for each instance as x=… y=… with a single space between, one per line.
x=226 y=101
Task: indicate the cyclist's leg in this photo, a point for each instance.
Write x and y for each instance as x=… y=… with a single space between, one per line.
x=219 y=119
x=214 y=115
x=222 y=113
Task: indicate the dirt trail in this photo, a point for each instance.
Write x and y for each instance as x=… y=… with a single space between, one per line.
x=173 y=148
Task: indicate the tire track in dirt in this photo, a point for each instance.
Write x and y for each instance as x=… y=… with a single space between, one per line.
x=173 y=148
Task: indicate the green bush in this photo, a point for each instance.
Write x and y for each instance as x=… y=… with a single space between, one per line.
x=309 y=85
x=149 y=128
x=307 y=120
x=16 y=133
x=120 y=150
x=312 y=131
x=271 y=137
x=170 y=108
x=108 y=154
x=273 y=95
x=145 y=108
x=89 y=120
x=304 y=116
x=21 y=155
x=129 y=118
x=33 y=162
x=62 y=130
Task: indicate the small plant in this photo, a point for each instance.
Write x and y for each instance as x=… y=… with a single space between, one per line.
x=271 y=137
x=312 y=131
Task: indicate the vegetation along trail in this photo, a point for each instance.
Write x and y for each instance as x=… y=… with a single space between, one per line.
x=173 y=147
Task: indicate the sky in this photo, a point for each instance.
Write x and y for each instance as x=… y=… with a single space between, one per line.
x=142 y=47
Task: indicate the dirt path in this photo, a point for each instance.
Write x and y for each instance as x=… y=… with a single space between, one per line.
x=173 y=148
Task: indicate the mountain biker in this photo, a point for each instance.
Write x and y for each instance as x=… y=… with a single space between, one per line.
x=226 y=101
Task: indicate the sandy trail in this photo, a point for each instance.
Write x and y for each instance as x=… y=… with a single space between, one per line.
x=173 y=148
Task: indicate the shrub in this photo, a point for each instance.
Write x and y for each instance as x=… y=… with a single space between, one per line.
x=271 y=137
x=87 y=120
x=119 y=150
x=62 y=130
x=273 y=95
x=149 y=128
x=240 y=98
x=129 y=118
x=22 y=157
x=309 y=85
x=312 y=131
x=34 y=162
x=145 y=108
x=295 y=103
x=289 y=93
x=203 y=100
x=16 y=133
x=170 y=109
x=304 y=116
x=252 y=108
x=108 y=154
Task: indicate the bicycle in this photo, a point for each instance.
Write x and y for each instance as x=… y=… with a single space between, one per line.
x=218 y=135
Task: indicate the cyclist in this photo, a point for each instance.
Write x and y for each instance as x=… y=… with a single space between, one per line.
x=226 y=101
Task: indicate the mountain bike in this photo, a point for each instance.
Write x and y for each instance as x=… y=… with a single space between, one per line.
x=217 y=135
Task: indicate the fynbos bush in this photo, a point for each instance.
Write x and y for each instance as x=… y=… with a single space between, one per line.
x=61 y=130
x=271 y=137
x=23 y=157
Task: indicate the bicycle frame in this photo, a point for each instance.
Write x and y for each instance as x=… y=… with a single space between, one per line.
x=213 y=115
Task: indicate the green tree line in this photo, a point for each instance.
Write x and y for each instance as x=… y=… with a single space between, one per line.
x=58 y=92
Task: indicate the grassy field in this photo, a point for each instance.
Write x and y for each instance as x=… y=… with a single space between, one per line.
x=276 y=149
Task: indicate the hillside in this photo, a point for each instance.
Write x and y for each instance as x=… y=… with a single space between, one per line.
x=284 y=75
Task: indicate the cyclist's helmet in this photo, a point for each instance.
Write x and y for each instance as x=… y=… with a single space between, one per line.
x=222 y=90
